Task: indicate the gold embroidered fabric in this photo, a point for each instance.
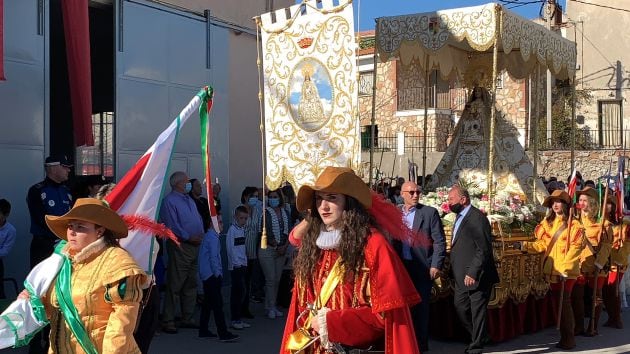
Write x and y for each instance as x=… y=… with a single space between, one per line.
x=447 y=39
x=467 y=156
x=108 y=322
x=310 y=91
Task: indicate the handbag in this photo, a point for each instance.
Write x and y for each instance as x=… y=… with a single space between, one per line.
x=301 y=339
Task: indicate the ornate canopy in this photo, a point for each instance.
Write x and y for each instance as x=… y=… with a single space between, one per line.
x=458 y=41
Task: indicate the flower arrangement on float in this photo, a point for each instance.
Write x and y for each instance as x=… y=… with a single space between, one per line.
x=508 y=209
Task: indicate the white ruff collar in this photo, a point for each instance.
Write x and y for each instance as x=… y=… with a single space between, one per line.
x=328 y=240
x=89 y=250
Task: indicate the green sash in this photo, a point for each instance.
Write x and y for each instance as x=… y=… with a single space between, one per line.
x=63 y=289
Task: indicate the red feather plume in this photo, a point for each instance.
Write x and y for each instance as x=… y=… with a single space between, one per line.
x=144 y=224
x=390 y=220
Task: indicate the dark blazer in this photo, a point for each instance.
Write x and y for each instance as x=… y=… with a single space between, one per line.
x=427 y=221
x=471 y=252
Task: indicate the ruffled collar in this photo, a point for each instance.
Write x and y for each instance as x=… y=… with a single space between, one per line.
x=92 y=249
x=328 y=240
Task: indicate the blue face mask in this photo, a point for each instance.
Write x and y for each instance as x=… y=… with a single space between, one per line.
x=188 y=187
x=274 y=202
x=253 y=201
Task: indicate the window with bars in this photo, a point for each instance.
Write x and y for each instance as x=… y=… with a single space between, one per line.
x=98 y=159
x=366 y=81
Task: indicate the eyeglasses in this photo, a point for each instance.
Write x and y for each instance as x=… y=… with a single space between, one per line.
x=413 y=192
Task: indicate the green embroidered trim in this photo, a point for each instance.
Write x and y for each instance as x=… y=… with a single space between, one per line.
x=63 y=290
x=122 y=288
x=36 y=303
x=108 y=297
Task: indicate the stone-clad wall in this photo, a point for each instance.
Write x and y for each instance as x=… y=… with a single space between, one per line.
x=591 y=164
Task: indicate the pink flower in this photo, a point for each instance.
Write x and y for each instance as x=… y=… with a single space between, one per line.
x=445 y=207
x=484 y=197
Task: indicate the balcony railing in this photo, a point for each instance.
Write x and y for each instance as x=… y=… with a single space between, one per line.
x=585 y=140
x=413 y=98
x=390 y=143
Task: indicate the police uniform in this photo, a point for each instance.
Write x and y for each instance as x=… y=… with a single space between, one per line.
x=45 y=198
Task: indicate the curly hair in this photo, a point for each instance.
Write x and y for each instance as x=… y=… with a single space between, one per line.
x=356 y=223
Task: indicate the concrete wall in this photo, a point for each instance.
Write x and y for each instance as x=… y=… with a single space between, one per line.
x=24 y=134
x=239 y=12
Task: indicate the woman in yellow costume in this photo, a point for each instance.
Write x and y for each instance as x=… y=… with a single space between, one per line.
x=618 y=265
x=594 y=257
x=93 y=303
x=562 y=240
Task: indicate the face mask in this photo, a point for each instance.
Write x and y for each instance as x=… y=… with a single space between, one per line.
x=188 y=187
x=456 y=208
x=253 y=201
x=274 y=202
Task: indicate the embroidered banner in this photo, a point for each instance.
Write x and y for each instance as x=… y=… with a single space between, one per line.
x=310 y=91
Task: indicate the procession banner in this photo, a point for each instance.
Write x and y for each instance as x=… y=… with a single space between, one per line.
x=310 y=91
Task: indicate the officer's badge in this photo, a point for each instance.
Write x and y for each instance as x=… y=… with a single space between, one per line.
x=43 y=195
x=51 y=203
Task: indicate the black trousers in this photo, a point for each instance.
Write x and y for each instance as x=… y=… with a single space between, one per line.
x=472 y=307
x=212 y=302
x=149 y=319
x=420 y=312
x=248 y=285
x=41 y=248
x=237 y=292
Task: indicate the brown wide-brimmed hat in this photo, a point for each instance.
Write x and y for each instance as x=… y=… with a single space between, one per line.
x=91 y=210
x=588 y=191
x=557 y=195
x=340 y=180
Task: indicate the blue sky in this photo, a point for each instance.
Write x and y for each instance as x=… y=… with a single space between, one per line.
x=371 y=9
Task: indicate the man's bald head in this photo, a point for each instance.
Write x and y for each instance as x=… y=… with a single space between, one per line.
x=410 y=193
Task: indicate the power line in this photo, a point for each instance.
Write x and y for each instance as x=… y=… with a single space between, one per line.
x=604 y=6
x=521 y=3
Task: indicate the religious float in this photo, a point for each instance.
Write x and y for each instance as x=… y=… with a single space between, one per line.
x=474 y=44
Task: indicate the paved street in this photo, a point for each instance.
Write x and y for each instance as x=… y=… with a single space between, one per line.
x=264 y=337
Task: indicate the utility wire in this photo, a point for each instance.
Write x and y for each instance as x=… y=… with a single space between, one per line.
x=604 y=6
x=517 y=2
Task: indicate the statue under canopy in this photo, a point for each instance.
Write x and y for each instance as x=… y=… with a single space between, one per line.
x=466 y=157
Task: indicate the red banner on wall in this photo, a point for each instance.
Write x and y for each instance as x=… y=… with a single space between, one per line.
x=2 y=40
x=76 y=25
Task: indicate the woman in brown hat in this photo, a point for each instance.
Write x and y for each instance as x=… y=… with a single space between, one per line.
x=561 y=241
x=594 y=256
x=618 y=265
x=351 y=290
x=93 y=303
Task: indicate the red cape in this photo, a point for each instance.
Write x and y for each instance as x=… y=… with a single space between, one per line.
x=392 y=293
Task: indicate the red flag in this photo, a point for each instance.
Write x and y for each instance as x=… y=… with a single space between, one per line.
x=572 y=184
x=139 y=192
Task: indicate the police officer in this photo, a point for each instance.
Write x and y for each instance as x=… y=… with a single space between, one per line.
x=48 y=197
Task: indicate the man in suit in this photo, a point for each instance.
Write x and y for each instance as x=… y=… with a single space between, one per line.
x=473 y=266
x=423 y=263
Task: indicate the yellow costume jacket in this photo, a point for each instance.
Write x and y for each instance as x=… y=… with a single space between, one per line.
x=107 y=291
x=601 y=240
x=620 y=250
x=561 y=260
